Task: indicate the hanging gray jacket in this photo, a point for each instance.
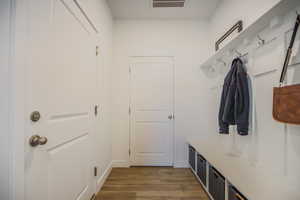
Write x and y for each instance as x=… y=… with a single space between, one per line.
x=234 y=107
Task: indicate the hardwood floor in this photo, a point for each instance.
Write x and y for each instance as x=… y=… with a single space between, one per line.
x=151 y=183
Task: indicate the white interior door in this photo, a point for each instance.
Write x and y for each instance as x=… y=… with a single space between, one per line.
x=152 y=95
x=61 y=80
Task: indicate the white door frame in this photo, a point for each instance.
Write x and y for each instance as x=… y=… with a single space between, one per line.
x=19 y=33
x=131 y=61
x=6 y=93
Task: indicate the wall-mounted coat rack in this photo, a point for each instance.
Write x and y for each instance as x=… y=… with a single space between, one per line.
x=249 y=33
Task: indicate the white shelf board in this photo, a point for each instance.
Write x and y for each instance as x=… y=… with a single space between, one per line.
x=253 y=181
x=280 y=9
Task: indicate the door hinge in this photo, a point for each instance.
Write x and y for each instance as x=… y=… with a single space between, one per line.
x=129 y=111
x=96 y=110
x=97 y=50
x=95 y=171
x=129 y=152
x=129 y=69
x=93 y=197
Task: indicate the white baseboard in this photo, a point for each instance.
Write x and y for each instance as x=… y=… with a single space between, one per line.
x=120 y=163
x=181 y=164
x=102 y=179
x=126 y=164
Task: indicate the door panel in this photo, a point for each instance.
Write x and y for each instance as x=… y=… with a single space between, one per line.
x=152 y=94
x=151 y=133
x=72 y=170
x=60 y=85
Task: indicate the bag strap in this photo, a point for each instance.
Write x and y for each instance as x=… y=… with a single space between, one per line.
x=289 y=51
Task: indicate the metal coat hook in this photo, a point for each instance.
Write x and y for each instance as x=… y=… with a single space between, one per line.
x=222 y=61
x=261 y=41
x=244 y=55
x=237 y=52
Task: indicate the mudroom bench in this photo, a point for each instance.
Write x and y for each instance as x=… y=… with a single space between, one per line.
x=226 y=175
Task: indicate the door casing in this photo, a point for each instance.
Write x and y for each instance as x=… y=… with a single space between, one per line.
x=5 y=99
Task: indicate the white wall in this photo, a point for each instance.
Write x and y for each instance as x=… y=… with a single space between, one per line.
x=187 y=41
x=190 y=42
x=272 y=148
x=5 y=161
x=229 y=12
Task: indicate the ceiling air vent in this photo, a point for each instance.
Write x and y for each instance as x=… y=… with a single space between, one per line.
x=168 y=3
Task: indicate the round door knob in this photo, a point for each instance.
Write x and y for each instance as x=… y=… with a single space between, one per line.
x=35 y=116
x=170 y=117
x=36 y=140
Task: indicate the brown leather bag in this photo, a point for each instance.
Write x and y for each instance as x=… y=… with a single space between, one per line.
x=286 y=99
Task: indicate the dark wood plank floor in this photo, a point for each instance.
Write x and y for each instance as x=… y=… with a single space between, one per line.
x=151 y=183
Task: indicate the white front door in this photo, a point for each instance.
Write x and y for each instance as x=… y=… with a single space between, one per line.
x=151 y=121
x=60 y=82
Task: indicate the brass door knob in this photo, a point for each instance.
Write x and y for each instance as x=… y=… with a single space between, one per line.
x=36 y=140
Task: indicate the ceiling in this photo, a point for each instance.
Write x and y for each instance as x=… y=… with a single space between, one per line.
x=142 y=9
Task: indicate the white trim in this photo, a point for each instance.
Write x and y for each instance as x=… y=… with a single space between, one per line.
x=5 y=76
x=174 y=112
x=102 y=179
x=19 y=51
x=181 y=164
x=120 y=163
x=11 y=138
x=205 y=187
x=130 y=111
